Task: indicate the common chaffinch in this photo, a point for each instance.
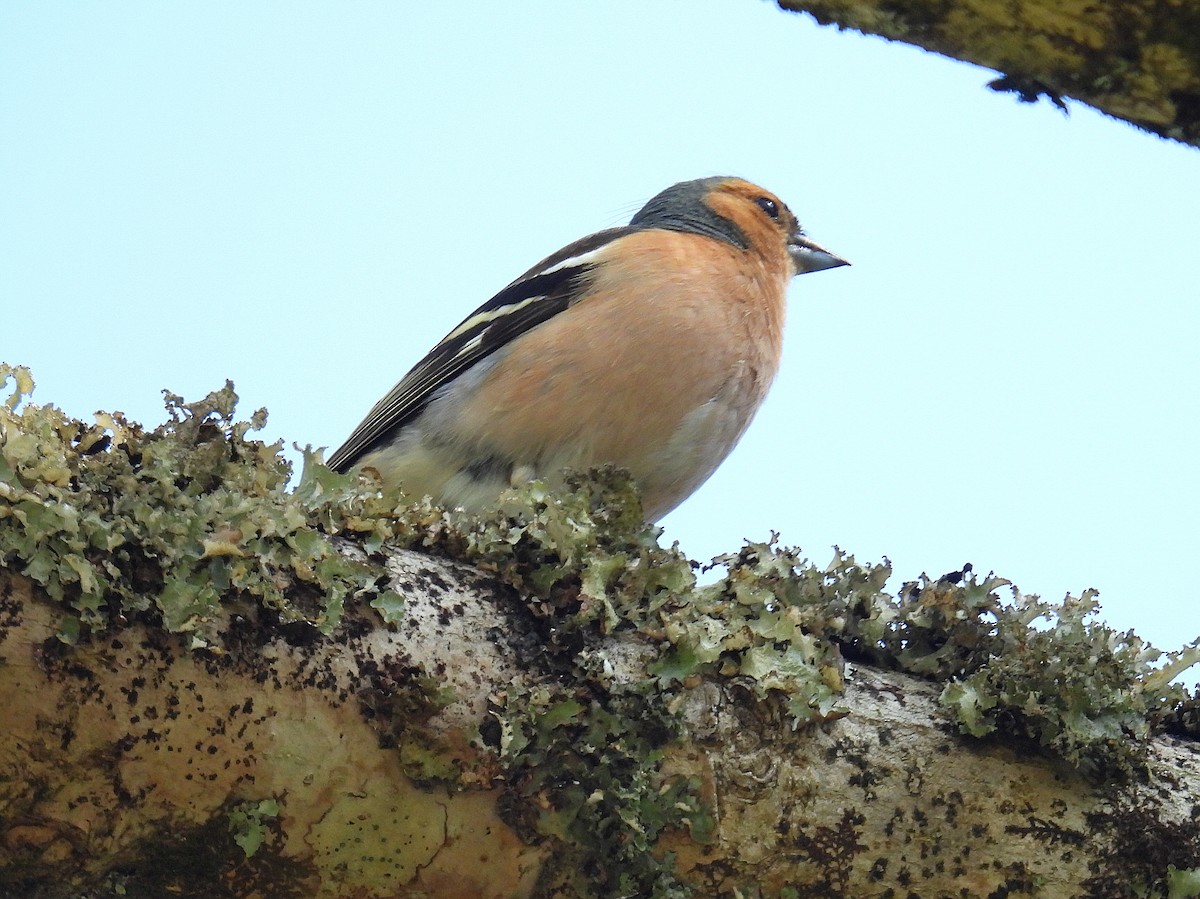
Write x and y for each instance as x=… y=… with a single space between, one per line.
x=649 y=346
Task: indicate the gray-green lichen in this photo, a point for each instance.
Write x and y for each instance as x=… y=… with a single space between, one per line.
x=182 y=523
x=115 y=521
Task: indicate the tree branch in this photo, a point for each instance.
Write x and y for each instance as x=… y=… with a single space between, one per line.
x=131 y=761
x=217 y=684
x=1137 y=60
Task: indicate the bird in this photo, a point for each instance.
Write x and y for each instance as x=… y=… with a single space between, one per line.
x=648 y=346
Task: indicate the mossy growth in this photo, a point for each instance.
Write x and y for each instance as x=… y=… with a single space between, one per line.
x=117 y=522
x=174 y=524
x=584 y=763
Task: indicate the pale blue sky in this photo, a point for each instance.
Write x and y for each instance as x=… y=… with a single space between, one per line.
x=304 y=197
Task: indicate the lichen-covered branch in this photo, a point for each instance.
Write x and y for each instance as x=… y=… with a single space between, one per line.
x=1138 y=60
x=217 y=684
x=299 y=767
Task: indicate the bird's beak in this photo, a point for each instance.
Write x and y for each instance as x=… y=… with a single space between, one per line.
x=811 y=257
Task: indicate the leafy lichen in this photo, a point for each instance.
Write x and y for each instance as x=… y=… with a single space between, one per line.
x=250 y=823
x=773 y=620
x=115 y=521
x=584 y=770
x=1012 y=664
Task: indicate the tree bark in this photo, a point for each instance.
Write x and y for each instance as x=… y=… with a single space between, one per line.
x=366 y=765
x=1137 y=60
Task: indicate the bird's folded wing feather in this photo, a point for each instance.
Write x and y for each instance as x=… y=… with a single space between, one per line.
x=548 y=288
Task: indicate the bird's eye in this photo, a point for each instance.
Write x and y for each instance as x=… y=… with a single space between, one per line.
x=769 y=206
